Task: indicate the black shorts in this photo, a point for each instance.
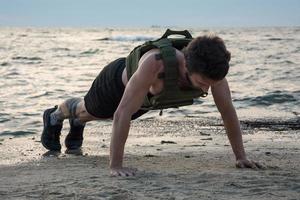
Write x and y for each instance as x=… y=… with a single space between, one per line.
x=106 y=92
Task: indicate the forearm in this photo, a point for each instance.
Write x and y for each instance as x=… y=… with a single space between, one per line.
x=234 y=133
x=119 y=136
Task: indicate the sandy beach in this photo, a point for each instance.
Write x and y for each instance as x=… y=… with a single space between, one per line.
x=176 y=158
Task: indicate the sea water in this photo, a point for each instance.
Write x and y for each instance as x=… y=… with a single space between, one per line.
x=41 y=67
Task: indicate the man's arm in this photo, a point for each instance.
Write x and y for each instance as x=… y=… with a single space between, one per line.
x=222 y=98
x=133 y=97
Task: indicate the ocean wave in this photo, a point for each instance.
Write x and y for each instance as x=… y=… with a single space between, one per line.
x=23 y=35
x=128 y=38
x=275 y=97
x=287 y=62
x=90 y=52
x=5 y=64
x=8 y=74
x=297 y=50
x=26 y=58
x=275 y=39
x=4 y=120
x=60 y=49
x=277 y=60
x=4 y=117
x=16 y=133
x=34 y=96
x=279 y=39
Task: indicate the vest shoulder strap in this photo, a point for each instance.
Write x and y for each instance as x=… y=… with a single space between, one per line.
x=168 y=54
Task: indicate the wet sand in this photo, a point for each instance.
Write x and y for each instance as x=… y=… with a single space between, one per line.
x=177 y=159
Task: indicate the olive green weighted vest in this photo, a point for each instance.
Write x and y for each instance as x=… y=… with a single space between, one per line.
x=171 y=96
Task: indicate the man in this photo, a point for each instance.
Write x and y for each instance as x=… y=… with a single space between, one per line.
x=126 y=88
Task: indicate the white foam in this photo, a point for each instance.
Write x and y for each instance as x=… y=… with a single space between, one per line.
x=131 y=38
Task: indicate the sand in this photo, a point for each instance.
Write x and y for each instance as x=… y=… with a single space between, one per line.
x=195 y=161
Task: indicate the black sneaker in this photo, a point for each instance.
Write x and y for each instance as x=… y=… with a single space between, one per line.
x=75 y=137
x=51 y=134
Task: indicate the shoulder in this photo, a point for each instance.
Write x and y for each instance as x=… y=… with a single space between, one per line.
x=150 y=56
x=150 y=63
x=180 y=57
x=220 y=89
x=220 y=84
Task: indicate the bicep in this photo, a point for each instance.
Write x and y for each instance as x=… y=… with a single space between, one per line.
x=134 y=94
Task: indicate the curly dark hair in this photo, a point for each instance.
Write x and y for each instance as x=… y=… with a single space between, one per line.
x=208 y=56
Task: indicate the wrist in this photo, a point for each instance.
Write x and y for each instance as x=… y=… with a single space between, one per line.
x=241 y=157
x=115 y=165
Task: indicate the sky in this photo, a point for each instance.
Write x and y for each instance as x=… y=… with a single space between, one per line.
x=142 y=13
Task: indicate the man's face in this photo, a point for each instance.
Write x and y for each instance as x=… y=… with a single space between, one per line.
x=201 y=82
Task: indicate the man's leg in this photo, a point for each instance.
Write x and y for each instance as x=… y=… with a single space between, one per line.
x=72 y=109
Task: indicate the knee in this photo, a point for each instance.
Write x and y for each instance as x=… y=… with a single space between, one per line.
x=83 y=115
x=72 y=106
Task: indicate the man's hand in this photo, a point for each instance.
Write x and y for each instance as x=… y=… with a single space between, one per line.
x=245 y=163
x=123 y=171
